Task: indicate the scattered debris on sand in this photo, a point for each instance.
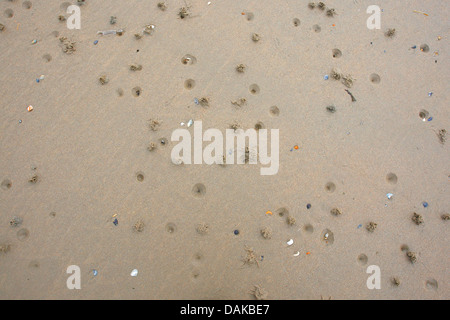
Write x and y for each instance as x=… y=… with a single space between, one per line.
x=351 y=95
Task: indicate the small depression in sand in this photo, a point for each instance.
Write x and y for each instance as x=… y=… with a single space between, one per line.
x=64 y=6
x=259 y=125
x=431 y=284
x=362 y=259
x=171 y=227
x=336 y=53
x=136 y=91
x=199 y=190
x=140 y=176
x=23 y=234
x=391 y=178
x=274 y=111
x=282 y=212
x=424 y=114
x=6 y=184
x=47 y=57
x=424 y=48
x=375 y=78
x=9 y=13
x=189 y=84
x=249 y=16
x=330 y=187
x=308 y=228
x=27 y=4
x=327 y=237
x=188 y=59
x=254 y=89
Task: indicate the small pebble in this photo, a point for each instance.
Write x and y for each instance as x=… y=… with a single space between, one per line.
x=430 y=118
x=326 y=77
x=96 y=41
x=116 y=222
x=308 y=206
x=236 y=232
x=95 y=272
x=425 y=204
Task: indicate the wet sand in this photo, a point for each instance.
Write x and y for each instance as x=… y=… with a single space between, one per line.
x=81 y=158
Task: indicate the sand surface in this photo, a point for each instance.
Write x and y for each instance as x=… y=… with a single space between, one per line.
x=87 y=145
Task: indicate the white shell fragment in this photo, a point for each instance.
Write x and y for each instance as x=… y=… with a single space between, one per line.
x=297 y=254
x=134 y=273
x=290 y=242
x=190 y=123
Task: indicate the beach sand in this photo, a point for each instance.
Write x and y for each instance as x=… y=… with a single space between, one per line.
x=80 y=159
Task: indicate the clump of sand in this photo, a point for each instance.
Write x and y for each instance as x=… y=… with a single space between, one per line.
x=202 y=228
x=251 y=258
x=139 y=226
x=371 y=226
x=417 y=218
x=266 y=232
x=259 y=293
